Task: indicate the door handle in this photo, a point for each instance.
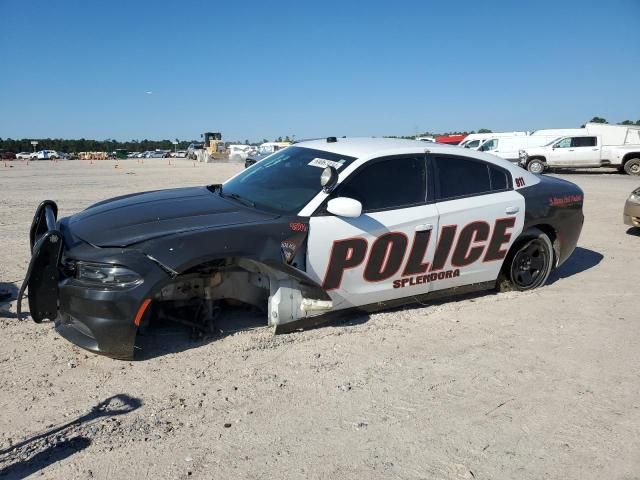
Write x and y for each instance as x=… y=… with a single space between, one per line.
x=424 y=227
x=571 y=149
x=511 y=210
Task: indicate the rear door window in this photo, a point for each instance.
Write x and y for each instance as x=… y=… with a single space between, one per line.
x=584 y=141
x=462 y=177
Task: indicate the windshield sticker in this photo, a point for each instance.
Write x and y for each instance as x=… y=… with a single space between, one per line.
x=322 y=163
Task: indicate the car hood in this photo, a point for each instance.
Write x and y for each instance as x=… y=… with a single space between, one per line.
x=123 y=221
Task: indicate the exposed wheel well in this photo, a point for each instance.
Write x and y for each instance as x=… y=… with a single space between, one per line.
x=630 y=156
x=537 y=157
x=550 y=232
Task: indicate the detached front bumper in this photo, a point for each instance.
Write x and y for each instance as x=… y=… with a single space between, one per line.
x=104 y=322
x=101 y=320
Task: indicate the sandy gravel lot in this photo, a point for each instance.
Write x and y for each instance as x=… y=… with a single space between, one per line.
x=533 y=385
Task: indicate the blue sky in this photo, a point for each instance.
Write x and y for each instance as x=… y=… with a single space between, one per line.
x=258 y=69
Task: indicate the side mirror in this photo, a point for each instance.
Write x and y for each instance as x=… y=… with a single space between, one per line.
x=329 y=179
x=344 y=207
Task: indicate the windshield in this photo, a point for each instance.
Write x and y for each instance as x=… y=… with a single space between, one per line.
x=285 y=181
x=552 y=141
x=472 y=144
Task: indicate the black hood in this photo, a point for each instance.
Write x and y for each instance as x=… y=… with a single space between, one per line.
x=130 y=219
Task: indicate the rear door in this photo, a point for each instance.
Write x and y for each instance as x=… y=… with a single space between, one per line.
x=586 y=150
x=575 y=152
x=480 y=216
x=379 y=255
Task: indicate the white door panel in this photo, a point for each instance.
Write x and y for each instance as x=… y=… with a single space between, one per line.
x=363 y=260
x=475 y=235
x=563 y=154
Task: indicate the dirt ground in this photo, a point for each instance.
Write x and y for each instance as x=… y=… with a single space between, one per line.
x=544 y=384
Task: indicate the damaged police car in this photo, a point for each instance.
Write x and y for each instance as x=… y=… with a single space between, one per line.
x=320 y=226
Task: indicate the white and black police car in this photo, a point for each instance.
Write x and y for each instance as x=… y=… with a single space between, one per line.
x=317 y=227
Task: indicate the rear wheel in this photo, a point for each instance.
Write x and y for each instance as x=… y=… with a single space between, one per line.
x=632 y=167
x=536 y=166
x=529 y=263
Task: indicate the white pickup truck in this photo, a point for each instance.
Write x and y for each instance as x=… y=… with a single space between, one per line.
x=598 y=145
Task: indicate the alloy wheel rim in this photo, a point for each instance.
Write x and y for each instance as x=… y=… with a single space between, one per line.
x=536 y=167
x=529 y=264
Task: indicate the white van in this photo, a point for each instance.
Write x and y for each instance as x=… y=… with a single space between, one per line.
x=474 y=140
x=509 y=147
x=551 y=134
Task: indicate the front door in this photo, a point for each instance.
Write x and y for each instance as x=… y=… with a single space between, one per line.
x=480 y=217
x=384 y=253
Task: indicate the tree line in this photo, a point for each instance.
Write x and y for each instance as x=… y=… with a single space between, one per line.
x=84 y=145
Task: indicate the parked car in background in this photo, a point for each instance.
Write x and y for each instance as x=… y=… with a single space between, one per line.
x=24 y=155
x=4 y=155
x=265 y=150
x=597 y=145
x=157 y=154
x=631 y=215
x=181 y=154
x=193 y=149
x=268 y=148
x=239 y=153
x=45 y=155
x=254 y=158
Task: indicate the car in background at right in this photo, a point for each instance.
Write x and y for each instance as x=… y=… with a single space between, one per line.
x=631 y=213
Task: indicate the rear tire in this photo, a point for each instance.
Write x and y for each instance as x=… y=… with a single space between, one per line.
x=536 y=166
x=528 y=263
x=632 y=167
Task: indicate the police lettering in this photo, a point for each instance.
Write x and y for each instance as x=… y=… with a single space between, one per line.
x=388 y=253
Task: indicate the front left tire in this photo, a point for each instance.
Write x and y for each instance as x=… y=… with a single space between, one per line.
x=536 y=166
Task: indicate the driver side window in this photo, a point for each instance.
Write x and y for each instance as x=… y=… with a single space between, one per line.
x=489 y=145
x=388 y=184
x=564 y=143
